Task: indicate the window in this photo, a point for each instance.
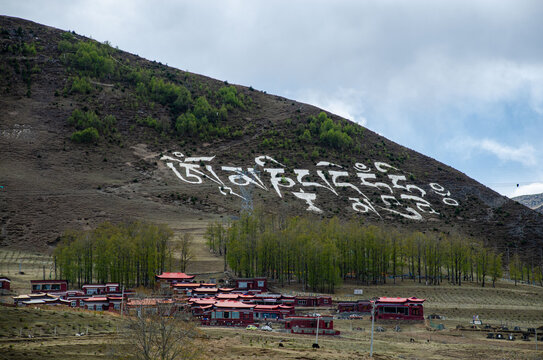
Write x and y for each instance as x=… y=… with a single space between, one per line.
x=92 y=291
x=90 y=306
x=46 y=287
x=99 y=307
x=36 y=287
x=112 y=288
x=243 y=285
x=226 y=315
x=260 y=283
x=55 y=286
x=117 y=306
x=302 y=302
x=73 y=303
x=235 y=315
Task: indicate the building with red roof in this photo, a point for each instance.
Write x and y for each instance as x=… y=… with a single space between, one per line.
x=272 y=312
x=389 y=308
x=359 y=306
x=99 y=303
x=308 y=325
x=228 y=313
x=254 y=285
x=49 y=286
x=174 y=277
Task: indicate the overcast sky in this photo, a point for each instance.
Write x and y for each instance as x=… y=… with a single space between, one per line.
x=460 y=81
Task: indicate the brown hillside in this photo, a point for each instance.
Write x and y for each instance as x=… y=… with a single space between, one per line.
x=52 y=183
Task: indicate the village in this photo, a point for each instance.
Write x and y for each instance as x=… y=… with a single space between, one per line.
x=243 y=302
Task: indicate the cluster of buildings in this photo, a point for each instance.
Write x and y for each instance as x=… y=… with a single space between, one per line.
x=100 y=297
x=241 y=303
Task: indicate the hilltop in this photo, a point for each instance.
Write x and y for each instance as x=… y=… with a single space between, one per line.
x=534 y=202
x=91 y=133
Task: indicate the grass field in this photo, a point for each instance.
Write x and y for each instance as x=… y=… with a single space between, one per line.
x=103 y=339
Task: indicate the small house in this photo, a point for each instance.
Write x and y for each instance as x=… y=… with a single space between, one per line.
x=387 y=308
x=252 y=284
x=204 y=292
x=102 y=289
x=230 y=313
x=272 y=312
x=94 y=289
x=266 y=299
x=98 y=303
x=115 y=302
x=184 y=288
x=313 y=301
x=308 y=325
x=48 y=286
x=75 y=297
x=360 y=306
x=5 y=283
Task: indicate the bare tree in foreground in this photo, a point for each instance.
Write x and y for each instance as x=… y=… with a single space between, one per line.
x=157 y=332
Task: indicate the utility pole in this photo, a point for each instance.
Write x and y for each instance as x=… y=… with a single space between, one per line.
x=122 y=300
x=372 y=325
x=317 y=335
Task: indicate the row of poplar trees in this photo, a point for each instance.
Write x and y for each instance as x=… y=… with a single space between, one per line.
x=320 y=254
x=128 y=253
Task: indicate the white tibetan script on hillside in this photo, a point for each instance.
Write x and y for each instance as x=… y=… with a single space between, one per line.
x=396 y=195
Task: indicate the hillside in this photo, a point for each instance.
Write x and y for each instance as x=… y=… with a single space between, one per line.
x=90 y=133
x=534 y=202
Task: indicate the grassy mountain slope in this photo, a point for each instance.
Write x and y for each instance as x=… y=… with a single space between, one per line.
x=84 y=129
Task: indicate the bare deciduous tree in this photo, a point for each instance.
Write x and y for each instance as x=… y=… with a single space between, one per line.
x=185 y=251
x=156 y=331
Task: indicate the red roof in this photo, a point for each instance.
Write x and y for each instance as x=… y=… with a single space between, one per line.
x=227 y=289
x=186 y=285
x=246 y=296
x=174 y=276
x=227 y=296
x=267 y=307
x=95 y=299
x=233 y=304
x=202 y=301
x=399 y=300
x=206 y=290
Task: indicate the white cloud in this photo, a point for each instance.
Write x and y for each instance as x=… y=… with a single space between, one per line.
x=530 y=189
x=524 y=154
x=346 y=103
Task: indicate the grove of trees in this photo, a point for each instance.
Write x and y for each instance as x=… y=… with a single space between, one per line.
x=320 y=254
x=128 y=253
